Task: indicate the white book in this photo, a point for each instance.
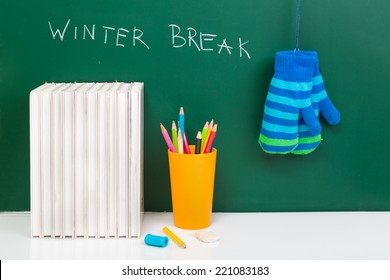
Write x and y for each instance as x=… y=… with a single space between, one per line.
x=136 y=159
x=35 y=161
x=113 y=162
x=57 y=138
x=102 y=159
x=47 y=159
x=92 y=163
x=56 y=153
x=46 y=164
x=123 y=120
x=81 y=170
x=68 y=99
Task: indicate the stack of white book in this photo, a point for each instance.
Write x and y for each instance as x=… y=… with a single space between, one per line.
x=86 y=143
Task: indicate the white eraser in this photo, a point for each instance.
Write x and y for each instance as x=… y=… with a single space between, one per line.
x=206 y=236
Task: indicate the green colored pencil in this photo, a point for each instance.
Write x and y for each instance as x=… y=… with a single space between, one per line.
x=174 y=135
x=204 y=134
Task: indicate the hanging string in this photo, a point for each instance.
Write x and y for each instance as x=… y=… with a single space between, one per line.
x=297 y=24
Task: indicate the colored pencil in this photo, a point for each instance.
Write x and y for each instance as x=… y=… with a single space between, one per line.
x=207 y=135
x=174 y=135
x=179 y=142
x=204 y=133
x=186 y=147
x=211 y=139
x=181 y=121
x=174 y=237
x=198 y=143
x=167 y=139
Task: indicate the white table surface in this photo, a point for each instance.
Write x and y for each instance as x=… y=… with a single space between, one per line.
x=263 y=236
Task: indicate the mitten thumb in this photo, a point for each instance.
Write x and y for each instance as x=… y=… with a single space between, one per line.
x=329 y=111
x=311 y=120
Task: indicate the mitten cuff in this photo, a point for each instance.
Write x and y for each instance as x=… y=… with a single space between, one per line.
x=293 y=67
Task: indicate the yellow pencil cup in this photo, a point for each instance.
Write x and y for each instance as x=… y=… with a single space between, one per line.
x=192 y=188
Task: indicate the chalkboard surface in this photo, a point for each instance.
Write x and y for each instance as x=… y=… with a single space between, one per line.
x=214 y=58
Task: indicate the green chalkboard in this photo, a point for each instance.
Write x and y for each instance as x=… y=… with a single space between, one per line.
x=214 y=58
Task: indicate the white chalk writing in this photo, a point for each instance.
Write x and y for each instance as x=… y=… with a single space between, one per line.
x=134 y=37
x=108 y=34
x=205 y=41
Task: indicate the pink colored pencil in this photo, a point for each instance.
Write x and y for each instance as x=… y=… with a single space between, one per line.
x=186 y=147
x=167 y=139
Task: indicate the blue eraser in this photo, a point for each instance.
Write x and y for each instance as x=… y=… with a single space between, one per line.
x=155 y=240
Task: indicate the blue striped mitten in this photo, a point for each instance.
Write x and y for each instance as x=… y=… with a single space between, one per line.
x=307 y=141
x=288 y=97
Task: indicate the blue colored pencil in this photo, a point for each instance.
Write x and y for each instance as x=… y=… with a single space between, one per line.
x=181 y=121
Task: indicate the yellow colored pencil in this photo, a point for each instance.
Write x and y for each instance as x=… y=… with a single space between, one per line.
x=173 y=236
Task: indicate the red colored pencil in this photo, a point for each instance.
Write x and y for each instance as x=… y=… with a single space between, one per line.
x=211 y=139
